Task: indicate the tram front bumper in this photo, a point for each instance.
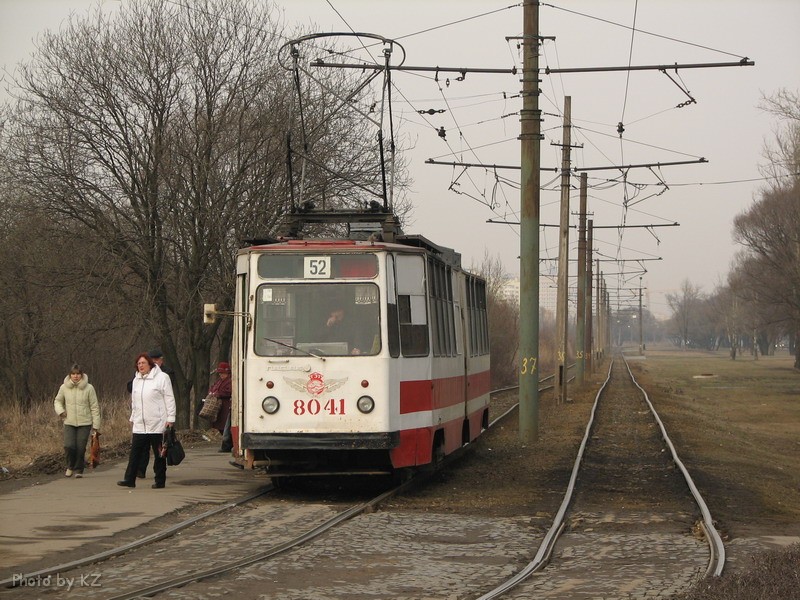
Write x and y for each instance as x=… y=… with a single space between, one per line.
x=321 y=441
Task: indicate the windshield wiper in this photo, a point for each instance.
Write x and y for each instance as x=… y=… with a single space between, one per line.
x=322 y=358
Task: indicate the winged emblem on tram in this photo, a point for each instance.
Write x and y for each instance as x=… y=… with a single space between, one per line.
x=315 y=384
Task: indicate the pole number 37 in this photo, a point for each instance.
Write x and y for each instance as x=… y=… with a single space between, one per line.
x=528 y=365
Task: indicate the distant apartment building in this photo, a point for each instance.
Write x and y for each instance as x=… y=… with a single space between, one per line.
x=548 y=292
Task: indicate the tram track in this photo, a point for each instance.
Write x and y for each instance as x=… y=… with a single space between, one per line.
x=299 y=540
x=258 y=556
x=604 y=473
x=180 y=557
x=178 y=549
x=163 y=534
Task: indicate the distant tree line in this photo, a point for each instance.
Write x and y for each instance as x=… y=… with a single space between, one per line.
x=759 y=305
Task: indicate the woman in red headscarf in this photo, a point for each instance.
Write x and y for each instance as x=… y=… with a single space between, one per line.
x=222 y=390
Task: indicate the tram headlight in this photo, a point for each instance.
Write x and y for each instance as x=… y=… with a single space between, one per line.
x=270 y=405
x=365 y=404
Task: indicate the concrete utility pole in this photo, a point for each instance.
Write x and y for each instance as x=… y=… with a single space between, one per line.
x=598 y=336
x=580 y=324
x=607 y=318
x=641 y=321
x=587 y=348
x=562 y=293
x=530 y=163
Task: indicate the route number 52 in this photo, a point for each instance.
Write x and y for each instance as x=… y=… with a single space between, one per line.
x=317 y=267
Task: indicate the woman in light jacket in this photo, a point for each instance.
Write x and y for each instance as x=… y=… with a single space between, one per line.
x=152 y=411
x=76 y=404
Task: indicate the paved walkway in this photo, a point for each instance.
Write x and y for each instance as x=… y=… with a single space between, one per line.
x=65 y=513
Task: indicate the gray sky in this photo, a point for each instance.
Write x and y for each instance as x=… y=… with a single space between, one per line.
x=724 y=126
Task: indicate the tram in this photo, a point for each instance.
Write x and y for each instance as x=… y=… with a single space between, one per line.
x=356 y=349
x=356 y=356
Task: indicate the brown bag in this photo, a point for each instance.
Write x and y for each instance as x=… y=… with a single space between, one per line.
x=94 y=449
x=211 y=406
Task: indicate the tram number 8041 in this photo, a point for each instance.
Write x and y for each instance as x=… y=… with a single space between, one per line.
x=314 y=407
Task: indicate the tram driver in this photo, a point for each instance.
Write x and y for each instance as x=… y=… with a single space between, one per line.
x=339 y=328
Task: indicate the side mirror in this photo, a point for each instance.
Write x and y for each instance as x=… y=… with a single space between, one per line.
x=209 y=314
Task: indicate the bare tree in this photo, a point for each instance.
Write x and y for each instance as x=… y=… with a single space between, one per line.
x=162 y=131
x=22 y=326
x=770 y=230
x=782 y=153
x=770 y=271
x=503 y=323
x=728 y=305
x=685 y=306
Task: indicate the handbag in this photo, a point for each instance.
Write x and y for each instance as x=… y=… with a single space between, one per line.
x=94 y=449
x=211 y=406
x=172 y=446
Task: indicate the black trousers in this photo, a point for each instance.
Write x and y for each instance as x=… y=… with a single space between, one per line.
x=140 y=443
x=143 y=462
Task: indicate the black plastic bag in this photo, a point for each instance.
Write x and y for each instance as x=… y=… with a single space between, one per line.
x=174 y=449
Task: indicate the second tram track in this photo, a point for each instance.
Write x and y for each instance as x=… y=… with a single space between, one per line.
x=604 y=474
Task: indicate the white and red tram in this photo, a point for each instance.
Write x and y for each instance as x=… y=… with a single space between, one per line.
x=400 y=381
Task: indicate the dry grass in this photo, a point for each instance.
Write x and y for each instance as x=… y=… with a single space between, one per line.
x=737 y=421
x=35 y=437
x=31 y=442
x=771 y=575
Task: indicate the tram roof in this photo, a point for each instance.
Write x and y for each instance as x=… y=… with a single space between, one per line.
x=444 y=253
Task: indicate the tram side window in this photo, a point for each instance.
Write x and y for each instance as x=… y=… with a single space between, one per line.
x=483 y=317
x=442 y=321
x=393 y=328
x=413 y=336
x=449 y=312
x=437 y=320
x=458 y=326
x=471 y=315
x=478 y=319
x=411 y=306
x=242 y=331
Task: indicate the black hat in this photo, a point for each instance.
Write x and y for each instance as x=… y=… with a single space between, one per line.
x=155 y=353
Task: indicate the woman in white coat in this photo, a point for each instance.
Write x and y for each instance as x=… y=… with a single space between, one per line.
x=152 y=411
x=76 y=404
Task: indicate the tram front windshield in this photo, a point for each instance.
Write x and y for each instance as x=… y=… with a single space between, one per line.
x=325 y=319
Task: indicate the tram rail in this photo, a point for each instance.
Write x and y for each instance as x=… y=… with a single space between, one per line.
x=544 y=553
x=13 y=582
